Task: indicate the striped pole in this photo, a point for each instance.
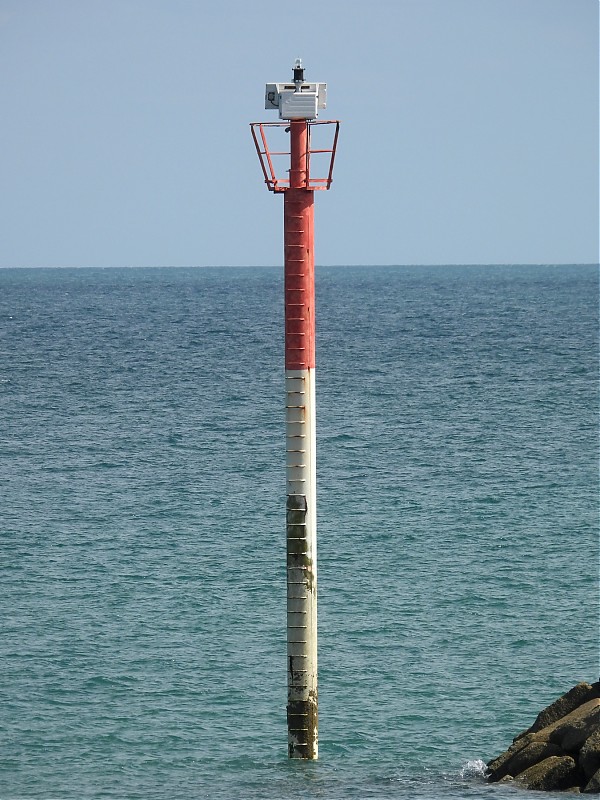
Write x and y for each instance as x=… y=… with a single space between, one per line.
x=301 y=517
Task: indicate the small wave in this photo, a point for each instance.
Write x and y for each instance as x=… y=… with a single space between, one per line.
x=473 y=769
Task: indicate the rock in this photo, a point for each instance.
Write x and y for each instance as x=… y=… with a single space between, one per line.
x=497 y=768
x=561 y=750
x=556 y=731
x=550 y=775
x=593 y=785
x=571 y=735
x=589 y=755
x=564 y=705
x=506 y=779
x=531 y=754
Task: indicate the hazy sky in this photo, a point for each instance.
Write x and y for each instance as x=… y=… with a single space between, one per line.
x=469 y=130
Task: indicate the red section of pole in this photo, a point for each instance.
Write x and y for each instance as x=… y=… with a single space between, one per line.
x=298 y=216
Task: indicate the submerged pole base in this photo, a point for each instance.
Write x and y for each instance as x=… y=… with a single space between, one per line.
x=303 y=726
x=302 y=708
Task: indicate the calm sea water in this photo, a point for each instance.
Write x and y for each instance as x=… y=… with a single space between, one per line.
x=142 y=559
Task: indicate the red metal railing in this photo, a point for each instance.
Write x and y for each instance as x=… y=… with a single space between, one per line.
x=266 y=155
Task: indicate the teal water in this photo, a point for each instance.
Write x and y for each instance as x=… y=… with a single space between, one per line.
x=142 y=559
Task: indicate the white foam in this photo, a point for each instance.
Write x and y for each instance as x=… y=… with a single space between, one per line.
x=473 y=769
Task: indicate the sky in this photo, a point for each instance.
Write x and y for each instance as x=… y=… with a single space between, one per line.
x=469 y=130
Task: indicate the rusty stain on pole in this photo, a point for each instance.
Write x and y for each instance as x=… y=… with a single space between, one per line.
x=298 y=102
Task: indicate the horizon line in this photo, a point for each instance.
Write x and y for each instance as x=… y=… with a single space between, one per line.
x=327 y=266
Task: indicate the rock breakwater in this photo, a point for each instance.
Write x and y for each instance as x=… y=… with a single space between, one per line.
x=561 y=750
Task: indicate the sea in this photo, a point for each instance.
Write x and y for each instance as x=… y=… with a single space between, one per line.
x=142 y=538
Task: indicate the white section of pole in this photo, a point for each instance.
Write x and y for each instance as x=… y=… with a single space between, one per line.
x=301 y=532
